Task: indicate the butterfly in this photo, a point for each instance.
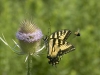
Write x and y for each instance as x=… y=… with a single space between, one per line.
x=57 y=46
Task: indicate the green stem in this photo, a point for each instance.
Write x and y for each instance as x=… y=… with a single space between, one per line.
x=29 y=61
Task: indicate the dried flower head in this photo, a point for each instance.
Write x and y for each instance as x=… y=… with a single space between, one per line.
x=29 y=36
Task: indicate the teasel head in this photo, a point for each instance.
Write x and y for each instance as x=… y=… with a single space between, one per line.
x=29 y=36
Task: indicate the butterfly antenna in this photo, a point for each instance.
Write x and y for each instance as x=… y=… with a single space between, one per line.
x=49 y=29
x=49 y=32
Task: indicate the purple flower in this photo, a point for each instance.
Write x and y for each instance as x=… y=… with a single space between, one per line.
x=29 y=37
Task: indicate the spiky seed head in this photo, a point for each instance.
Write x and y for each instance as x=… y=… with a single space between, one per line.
x=29 y=36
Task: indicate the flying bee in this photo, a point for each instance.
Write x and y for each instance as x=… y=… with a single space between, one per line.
x=77 y=33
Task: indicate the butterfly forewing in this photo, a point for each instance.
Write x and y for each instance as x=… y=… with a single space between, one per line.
x=53 y=48
x=63 y=34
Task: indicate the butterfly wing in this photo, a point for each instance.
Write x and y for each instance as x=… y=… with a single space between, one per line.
x=65 y=47
x=57 y=49
x=53 y=48
x=62 y=34
x=53 y=51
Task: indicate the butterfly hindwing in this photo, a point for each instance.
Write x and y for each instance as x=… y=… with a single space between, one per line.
x=65 y=48
x=58 y=49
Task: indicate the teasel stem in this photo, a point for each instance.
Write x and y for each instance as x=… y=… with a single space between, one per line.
x=29 y=64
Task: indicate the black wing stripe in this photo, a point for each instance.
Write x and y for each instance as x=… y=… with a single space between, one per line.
x=54 y=40
x=67 y=35
x=59 y=42
x=65 y=31
x=53 y=35
x=58 y=34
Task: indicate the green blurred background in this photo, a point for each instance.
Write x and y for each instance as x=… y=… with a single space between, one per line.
x=60 y=14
